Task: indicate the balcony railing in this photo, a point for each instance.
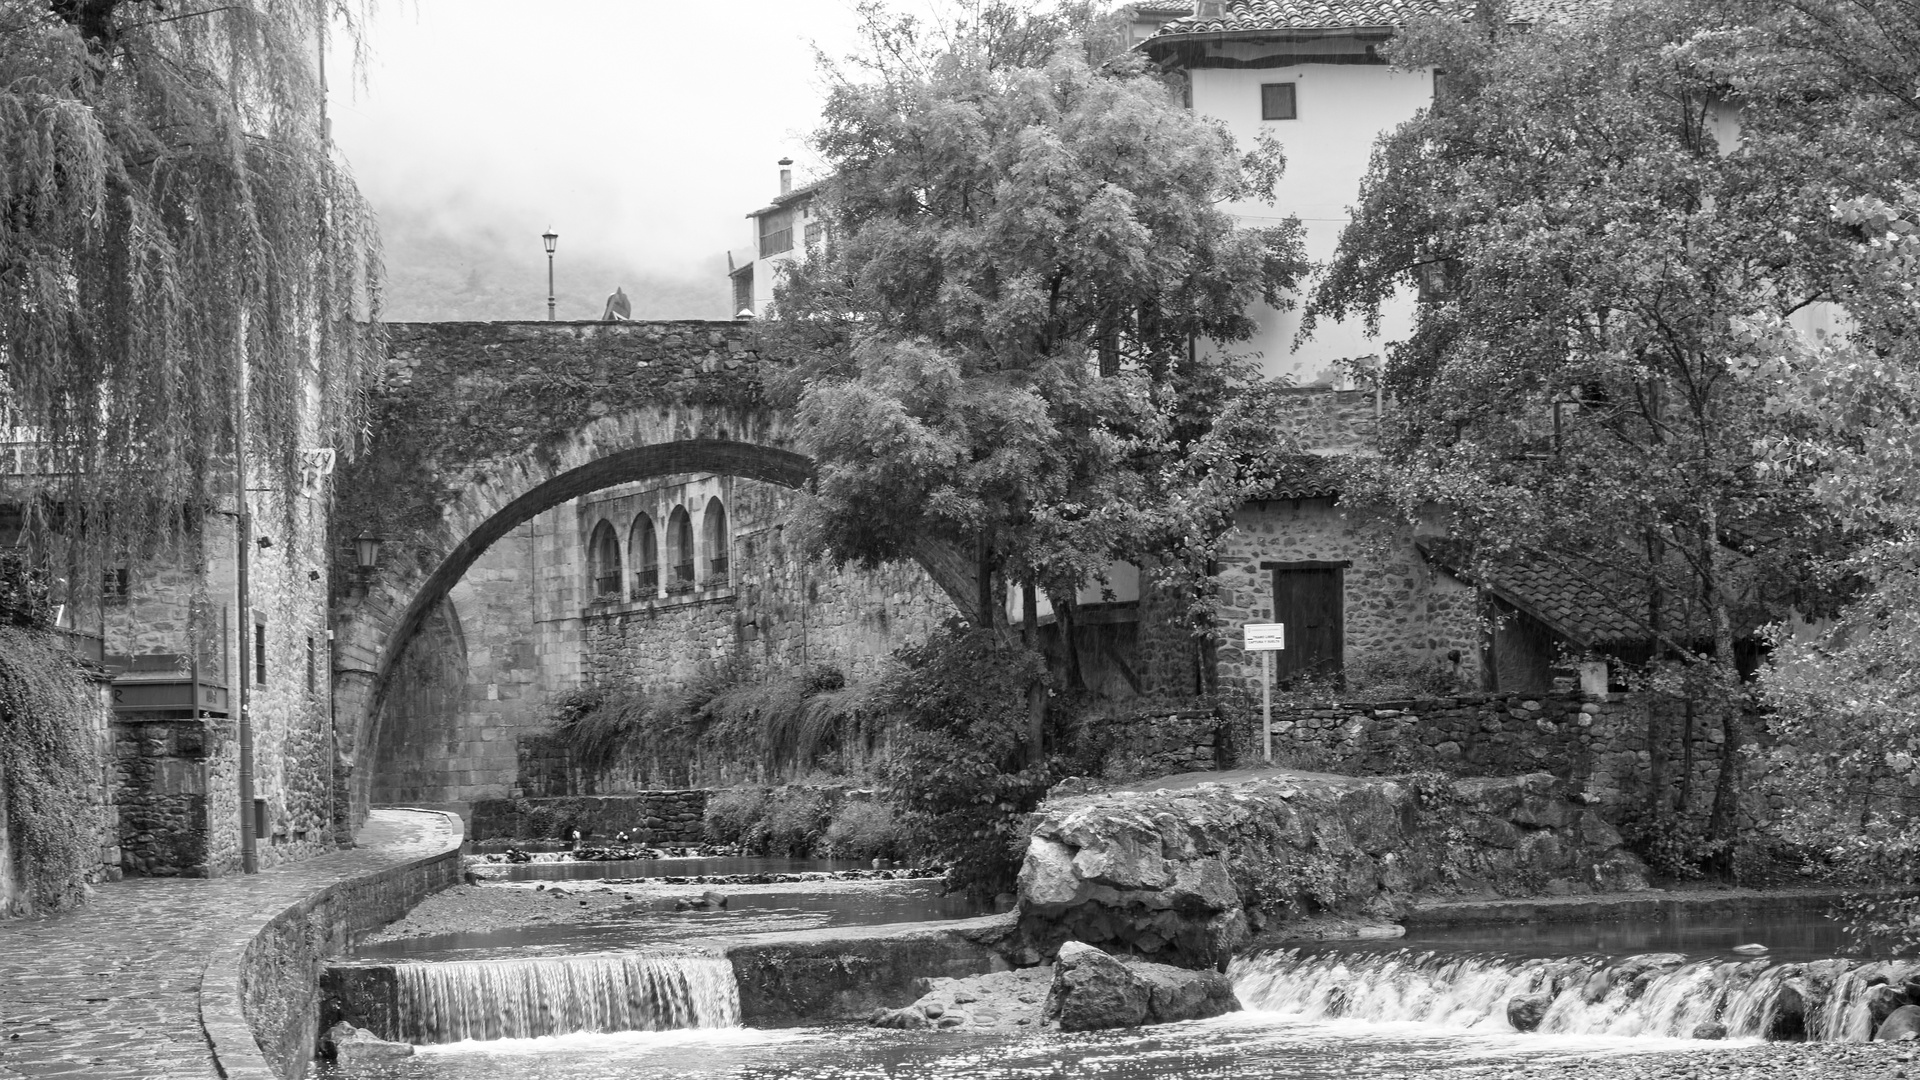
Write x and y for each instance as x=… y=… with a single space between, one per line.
x=777 y=241
x=717 y=573
x=646 y=582
x=606 y=586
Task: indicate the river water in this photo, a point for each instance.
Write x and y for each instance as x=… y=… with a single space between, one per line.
x=1433 y=1002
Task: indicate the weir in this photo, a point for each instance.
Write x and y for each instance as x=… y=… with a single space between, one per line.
x=1658 y=994
x=523 y=999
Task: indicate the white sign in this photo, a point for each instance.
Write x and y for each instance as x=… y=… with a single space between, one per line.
x=1266 y=636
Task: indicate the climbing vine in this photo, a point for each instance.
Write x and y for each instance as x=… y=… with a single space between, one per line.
x=50 y=761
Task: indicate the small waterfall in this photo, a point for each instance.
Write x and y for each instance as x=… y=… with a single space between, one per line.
x=522 y=999
x=1659 y=994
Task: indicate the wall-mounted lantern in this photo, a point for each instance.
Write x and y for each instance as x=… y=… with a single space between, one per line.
x=366 y=552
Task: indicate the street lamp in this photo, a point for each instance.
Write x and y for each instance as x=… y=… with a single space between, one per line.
x=549 y=238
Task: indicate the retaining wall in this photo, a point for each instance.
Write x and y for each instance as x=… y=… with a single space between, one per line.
x=260 y=999
x=648 y=817
x=1600 y=747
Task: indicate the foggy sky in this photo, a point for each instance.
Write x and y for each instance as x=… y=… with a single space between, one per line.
x=641 y=131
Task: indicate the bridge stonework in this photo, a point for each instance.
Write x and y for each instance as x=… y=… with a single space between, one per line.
x=477 y=428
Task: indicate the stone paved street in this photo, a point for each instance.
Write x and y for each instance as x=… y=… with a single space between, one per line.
x=111 y=992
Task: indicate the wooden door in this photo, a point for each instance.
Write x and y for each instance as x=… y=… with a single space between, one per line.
x=1309 y=600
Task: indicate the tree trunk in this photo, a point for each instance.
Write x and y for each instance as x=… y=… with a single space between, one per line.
x=1723 y=825
x=1686 y=751
x=1658 y=782
x=1037 y=689
x=1067 y=616
x=983 y=580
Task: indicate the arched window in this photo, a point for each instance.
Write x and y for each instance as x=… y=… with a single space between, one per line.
x=603 y=562
x=645 y=553
x=680 y=549
x=714 y=524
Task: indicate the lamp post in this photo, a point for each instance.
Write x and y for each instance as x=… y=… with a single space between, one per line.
x=549 y=238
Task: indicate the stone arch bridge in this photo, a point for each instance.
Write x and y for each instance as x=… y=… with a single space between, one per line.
x=475 y=428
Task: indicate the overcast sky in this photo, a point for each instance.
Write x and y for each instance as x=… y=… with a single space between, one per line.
x=642 y=131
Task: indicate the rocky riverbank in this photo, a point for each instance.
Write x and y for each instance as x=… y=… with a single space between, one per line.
x=1771 y=1061
x=1189 y=875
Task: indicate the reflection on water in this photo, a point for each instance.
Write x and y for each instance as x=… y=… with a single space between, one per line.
x=656 y=868
x=654 y=922
x=1789 y=937
x=1245 y=1046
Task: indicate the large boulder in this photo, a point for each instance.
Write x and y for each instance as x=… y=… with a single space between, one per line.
x=1093 y=990
x=1882 y=1001
x=1901 y=1025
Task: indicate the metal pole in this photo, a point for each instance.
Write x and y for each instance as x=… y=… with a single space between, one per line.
x=1266 y=701
x=242 y=588
x=549 y=286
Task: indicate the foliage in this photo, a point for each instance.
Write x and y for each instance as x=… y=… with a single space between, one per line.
x=732 y=814
x=793 y=822
x=1672 y=844
x=172 y=215
x=1611 y=267
x=866 y=829
x=25 y=595
x=1000 y=228
x=787 y=726
x=961 y=772
x=50 y=762
x=1299 y=881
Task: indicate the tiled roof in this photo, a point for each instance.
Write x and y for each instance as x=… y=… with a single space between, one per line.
x=1241 y=16
x=1588 y=606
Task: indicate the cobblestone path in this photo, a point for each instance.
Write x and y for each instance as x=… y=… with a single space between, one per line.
x=111 y=991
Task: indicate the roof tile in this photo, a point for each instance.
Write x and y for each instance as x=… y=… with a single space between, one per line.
x=1239 y=16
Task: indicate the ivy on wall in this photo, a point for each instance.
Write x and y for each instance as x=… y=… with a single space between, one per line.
x=50 y=760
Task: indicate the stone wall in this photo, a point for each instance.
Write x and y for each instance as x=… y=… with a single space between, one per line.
x=185 y=772
x=102 y=795
x=475 y=694
x=1191 y=875
x=647 y=817
x=1599 y=746
x=1147 y=742
x=279 y=1004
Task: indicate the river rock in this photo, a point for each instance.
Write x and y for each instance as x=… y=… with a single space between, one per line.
x=1092 y=990
x=1882 y=1000
x=906 y=1018
x=1901 y=1025
x=1711 y=1030
x=355 y=1047
x=1526 y=1011
x=1786 y=1016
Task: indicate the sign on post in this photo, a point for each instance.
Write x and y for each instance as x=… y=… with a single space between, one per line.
x=1266 y=638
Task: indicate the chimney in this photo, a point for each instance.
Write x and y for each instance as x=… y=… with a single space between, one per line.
x=786 y=175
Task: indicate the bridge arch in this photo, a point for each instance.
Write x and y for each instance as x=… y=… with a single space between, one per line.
x=481 y=427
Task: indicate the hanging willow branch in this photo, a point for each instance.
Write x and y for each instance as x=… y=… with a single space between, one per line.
x=171 y=214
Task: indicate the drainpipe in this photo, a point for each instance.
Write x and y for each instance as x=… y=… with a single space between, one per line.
x=243 y=597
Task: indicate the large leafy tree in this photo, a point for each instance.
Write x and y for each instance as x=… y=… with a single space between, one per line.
x=994 y=342
x=1610 y=249
x=176 y=236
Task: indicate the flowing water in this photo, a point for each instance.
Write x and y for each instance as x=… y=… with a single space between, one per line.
x=1431 y=1005
x=526 y=999
x=563 y=867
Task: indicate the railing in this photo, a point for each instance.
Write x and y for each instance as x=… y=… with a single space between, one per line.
x=606 y=585
x=684 y=572
x=37 y=459
x=647 y=582
x=773 y=243
x=718 y=573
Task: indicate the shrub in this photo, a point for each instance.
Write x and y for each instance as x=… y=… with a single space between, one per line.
x=866 y=829
x=961 y=769
x=732 y=814
x=792 y=822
